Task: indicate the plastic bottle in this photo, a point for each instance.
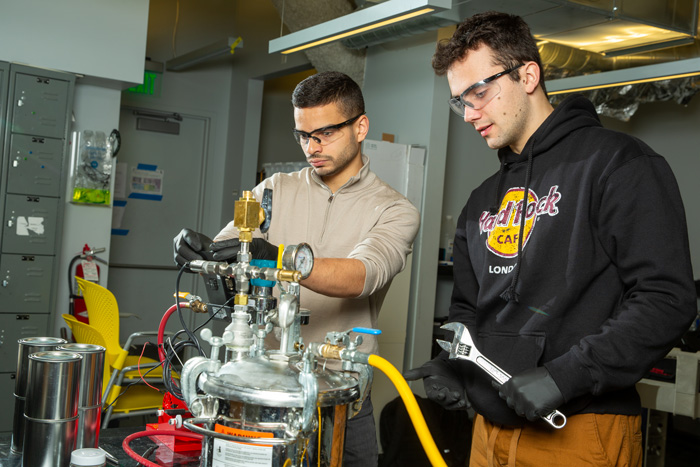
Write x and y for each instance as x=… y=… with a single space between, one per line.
x=88 y=457
x=447 y=236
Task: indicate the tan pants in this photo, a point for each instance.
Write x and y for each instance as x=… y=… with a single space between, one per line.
x=586 y=440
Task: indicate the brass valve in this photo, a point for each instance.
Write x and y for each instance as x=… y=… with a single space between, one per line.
x=198 y=306
x=194 y=302
x=240 y=299
x=288 y=276
x=247 y=216
x=329 y=351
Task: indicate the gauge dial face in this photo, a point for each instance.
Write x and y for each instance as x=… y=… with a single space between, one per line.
x=299 y=258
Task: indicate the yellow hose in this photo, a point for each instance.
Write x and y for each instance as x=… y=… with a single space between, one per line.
x=320 y=427
x=414 y=412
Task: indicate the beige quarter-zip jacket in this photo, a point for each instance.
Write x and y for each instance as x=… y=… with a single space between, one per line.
x=365 y=219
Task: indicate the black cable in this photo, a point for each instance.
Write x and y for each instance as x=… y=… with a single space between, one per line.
x=126 y=388
x=171 y=354
x=191 y=335
x=172 y=349
x=70 y=275
x=71 y=293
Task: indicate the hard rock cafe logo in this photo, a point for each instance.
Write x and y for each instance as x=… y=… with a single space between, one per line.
x=503 y=228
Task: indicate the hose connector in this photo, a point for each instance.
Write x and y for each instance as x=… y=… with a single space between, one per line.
x=325 y=350
x=194 y=302
x=338 y=352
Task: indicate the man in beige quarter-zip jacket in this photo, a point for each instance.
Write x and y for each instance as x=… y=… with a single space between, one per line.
x=360 y=229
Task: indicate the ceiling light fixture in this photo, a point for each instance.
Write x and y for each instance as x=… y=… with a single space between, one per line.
x=218 y=48
x=642 y=74
x=360 y=21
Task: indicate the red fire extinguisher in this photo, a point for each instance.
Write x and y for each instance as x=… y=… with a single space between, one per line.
x=87 y=269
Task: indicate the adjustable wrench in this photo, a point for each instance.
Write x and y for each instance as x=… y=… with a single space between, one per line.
x=462 y=346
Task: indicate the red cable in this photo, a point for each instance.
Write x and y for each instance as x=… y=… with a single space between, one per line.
x=141 y=434
x=138 y=367
x=161 y=328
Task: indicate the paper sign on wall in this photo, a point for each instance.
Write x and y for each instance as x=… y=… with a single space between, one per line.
x=146 y=182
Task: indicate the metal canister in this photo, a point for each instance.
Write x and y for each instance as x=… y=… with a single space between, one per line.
x=265 y=403
x=53 y=384
x=51 y=409
x=27 y=346
x=56 y=439
x=90 y=393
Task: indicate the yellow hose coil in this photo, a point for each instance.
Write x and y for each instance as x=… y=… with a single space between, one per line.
x=414 y=412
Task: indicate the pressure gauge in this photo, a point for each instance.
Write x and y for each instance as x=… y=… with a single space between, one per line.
x=298 y=258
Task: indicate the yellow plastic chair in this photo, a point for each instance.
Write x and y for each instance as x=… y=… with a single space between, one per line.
x=103 y=314
x=139 y=399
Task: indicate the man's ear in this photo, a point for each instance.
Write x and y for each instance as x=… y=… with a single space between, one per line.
x=530 y=75
x=362 y=128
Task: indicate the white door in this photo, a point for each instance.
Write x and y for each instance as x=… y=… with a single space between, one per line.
x=165 y=157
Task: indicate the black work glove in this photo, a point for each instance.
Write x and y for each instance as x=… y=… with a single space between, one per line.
x=532 y=393
x=189 y=245
x=227 y=250
x=442 y=383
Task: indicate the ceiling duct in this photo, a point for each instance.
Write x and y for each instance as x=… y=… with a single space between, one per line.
x=615 y=27
x=561 y=61
x=300 y=14
x=621 y=102
x=564 y=21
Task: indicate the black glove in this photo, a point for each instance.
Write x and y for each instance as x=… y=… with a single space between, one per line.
x=532 y=393
x=442 y=383
x=189 y=245
x=227 y=250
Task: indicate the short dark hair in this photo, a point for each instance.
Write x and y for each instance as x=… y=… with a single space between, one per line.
x=330 y=87
x=508 y=36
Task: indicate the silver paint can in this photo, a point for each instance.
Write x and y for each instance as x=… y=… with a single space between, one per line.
x=53 y=383
x=27 y=346
x=51 y=408
x=48 y=443
x=90 y=392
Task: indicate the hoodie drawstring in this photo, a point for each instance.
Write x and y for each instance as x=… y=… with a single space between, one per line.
x=510 y=293
x=493 y=210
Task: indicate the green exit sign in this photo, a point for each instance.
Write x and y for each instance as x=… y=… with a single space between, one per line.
x=149 y=84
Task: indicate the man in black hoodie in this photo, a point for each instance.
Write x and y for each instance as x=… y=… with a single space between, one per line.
x=578 y=294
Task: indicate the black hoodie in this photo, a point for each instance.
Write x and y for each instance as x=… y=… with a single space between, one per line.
x=604 y=287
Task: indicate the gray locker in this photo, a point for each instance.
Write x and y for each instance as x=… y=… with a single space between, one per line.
x=15 y=326
x=35 y=110
x=7 y=389
x=4 y=79
x=39 y=105
x=25 y=283
x=34 y=165
x=29 y=225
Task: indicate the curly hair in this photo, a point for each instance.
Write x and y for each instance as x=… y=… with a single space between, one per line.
x=508 y=36
x=330 y=87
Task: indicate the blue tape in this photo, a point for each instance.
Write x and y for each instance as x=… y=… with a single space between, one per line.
x=263 y=263
x=121 y=232
x=147 y=167
x=146 y=196
x=374 y=332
